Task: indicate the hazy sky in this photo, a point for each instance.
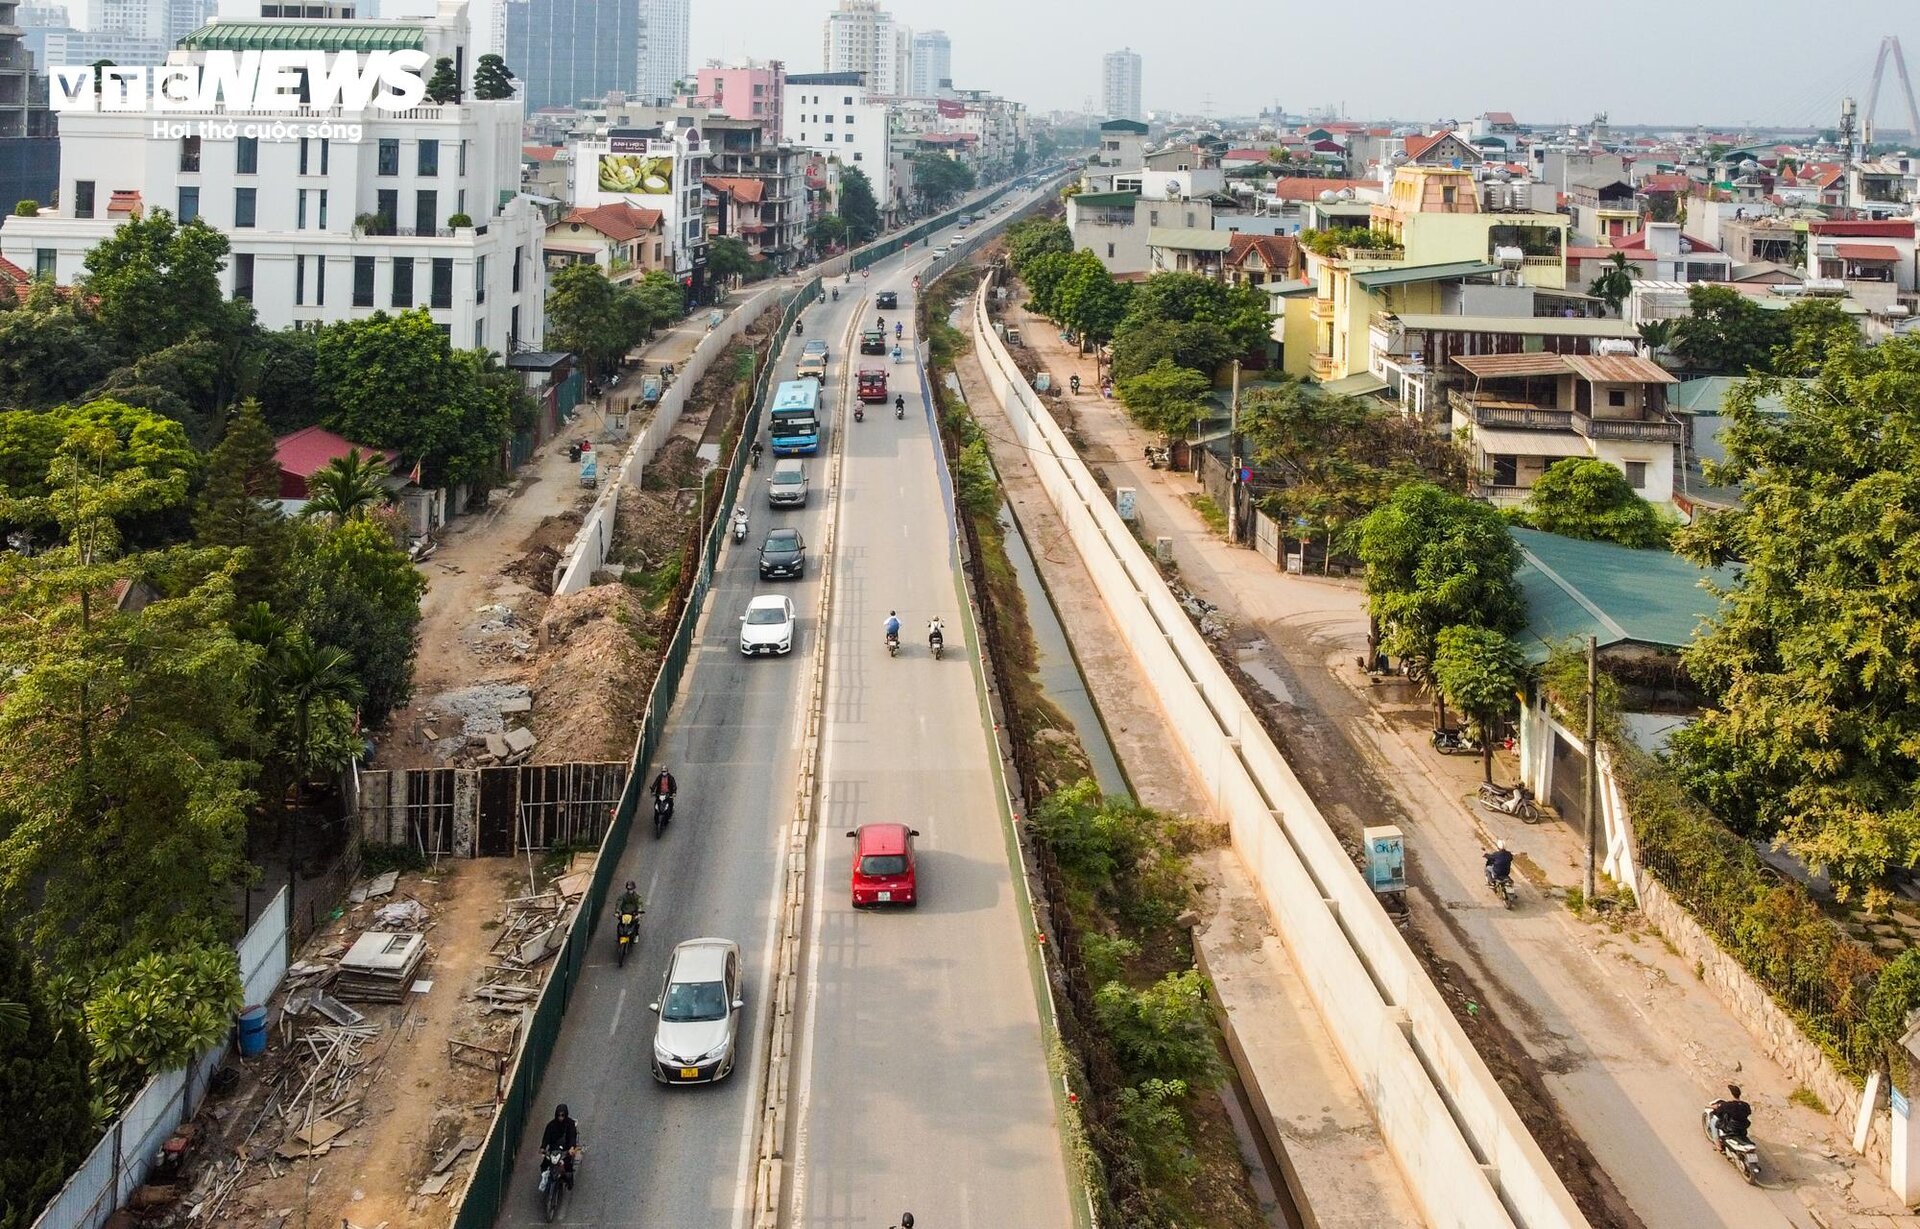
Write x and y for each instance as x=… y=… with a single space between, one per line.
x=1718 y=62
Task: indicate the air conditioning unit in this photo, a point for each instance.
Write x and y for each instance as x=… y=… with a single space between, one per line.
x=1512 y=258
x=1616 y=345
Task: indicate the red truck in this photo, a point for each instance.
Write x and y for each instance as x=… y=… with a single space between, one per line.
x=873 y=386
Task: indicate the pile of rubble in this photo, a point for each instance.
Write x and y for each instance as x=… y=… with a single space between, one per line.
x=534 y=929
x=487 y=733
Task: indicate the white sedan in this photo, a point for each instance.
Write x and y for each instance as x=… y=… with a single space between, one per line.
x=767 y=627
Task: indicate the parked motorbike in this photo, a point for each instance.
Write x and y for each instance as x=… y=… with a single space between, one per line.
x=1502 y=886
x=1516 y=801
x=553 y=1182
x=662 y=812
x=624 y=934
x=1455 y=742
x=1156 y=457
x=1738 y=1149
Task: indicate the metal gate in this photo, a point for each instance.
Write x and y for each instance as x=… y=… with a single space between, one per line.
x=567 y=804
x=430 y=810
x=499 y=798
x=1567 y=790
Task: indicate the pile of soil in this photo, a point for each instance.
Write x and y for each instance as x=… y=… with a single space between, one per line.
x=540 y=553
x=590 y=687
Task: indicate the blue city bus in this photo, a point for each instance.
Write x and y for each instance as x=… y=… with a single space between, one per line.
x=796 y=418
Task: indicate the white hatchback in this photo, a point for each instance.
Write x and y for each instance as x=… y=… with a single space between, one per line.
x=767 y=627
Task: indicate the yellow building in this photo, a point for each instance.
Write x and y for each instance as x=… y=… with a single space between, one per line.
x=1450 y=231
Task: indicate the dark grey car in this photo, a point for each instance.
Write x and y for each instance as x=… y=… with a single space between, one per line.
x=784 y=553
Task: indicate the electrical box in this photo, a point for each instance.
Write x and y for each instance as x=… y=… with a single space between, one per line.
x=1386 y=859
x=1123 y=501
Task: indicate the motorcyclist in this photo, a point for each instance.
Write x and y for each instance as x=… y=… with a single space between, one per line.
x=755 y=455
x=630 y=901
x=1499 y=861
x=896 y=328
x=893 y=626
x=664 y=786
x=561 y=1132
x=1731 y=1116
x=740 y=522
x=882 y=326
x=899 y=404
x=836 y=294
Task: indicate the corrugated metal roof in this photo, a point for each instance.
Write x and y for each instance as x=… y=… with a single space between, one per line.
x=297 y=35
x=1620 y=369
x=1107 y=198
x=1494 y=366
x=1539 y=326
x=1613 y=593
x=1872 y=253
x=1354 y=386
x=1374 y=279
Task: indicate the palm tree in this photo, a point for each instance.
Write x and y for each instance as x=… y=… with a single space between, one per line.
x=1614 y=284
x=346 y=488
x=304 y=675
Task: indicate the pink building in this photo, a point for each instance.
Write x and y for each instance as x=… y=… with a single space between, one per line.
x=751 y=92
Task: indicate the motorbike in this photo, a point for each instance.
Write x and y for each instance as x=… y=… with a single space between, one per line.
x=1517 y=801
x=662 y=812
x=1502 y=886
x=893 y=644
x=899 y=408
x=740 y=527
x=624 y=933
x=753 y=457
x=1455 y=742
x=1738 y=1149
x=1073 y=382
x=836 y=294
x=859 y=413
x=1156 y=457
x=936 y=641
x=896 y=330
x=553 y=1182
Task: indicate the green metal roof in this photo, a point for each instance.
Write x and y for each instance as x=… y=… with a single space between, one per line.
x=306 y=36
x=1364 y=384
x=1613 y=593
x=1405 y=275
x=1708 y=395
x=1542 y=326
x=1106 y=198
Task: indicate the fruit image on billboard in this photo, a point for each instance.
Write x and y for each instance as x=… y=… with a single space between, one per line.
x=636 y=174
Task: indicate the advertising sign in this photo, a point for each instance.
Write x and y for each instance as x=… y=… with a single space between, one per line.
x=634 y=172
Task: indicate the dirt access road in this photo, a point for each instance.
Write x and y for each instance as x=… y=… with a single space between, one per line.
x=1626 y=1040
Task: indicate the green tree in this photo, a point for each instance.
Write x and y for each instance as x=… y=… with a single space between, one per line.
x=728 y=257
x=52 y=349
x=279 y=373
x=1809 y=661
x=314 y=681
x=154 y=1013
x=347 y=488
x=974 y=484
x=1727 y=333
x=1044 y=274
x=1436 y=559
x=1585 y=497
x=660 y=300
x=492 y=79
x=1656 y=334
x=1614 y=283
x=1033 y=237
x=1149 y=1115
x=827 y=231
x=46 y=1124
x=1090 y=302
x=1815 y=329
x=858 y=206
x=1194 y=320
x=348 y=586
x=1479 y=671
x=239 y=505
x=1168 y=400
x=581 y=316
x=1329 y=240
x=939 y=178
x=444 y=85
x=155 y=283
x=1164 y=1032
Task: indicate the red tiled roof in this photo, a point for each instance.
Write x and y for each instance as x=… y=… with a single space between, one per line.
x=1417 y=145
x=1302 y=188
x=1499 y=117
x=1258 y=155
x=1689 y=246
x=618 y=220
x=1666 y=183
x=1884 y=228
x=309 y=450
x=125 y=201
x=1328 y=147
x=13 y=275
x=540 y=153
x=1278 y=253
x=748 y=190
x=1866 y=253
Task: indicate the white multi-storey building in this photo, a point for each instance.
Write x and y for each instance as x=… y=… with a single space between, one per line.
x=932 y=63
x=862 y=37
x=663 y=48
x=1120 y=85
x=661 y=167
x=322 y=228
x=834 y=115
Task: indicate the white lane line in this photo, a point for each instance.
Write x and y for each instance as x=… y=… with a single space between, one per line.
x=802 y=1092
x=620 y=1005
x=749 y=1156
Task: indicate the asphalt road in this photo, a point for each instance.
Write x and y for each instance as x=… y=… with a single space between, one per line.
x=684 y=1156
x=923 y=1081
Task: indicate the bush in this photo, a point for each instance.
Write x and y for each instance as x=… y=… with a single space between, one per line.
x=1164 y=1032
x=1149 y=1114
x=156 y=1013
x=458 y=220
x=974 y=483
x=1106 y=956
x=26 y=209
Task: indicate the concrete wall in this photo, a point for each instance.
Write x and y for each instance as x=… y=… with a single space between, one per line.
x=1466 y=1156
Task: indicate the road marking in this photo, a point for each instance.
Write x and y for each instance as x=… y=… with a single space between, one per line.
x=620 y=1005
x=802 y=1090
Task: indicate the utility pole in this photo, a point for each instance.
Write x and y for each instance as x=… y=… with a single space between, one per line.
x=1233 y=451
x=1593 y=762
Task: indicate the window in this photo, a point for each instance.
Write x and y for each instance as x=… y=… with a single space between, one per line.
x=1637 y=475
x=403 y=281
x=1506 y=470
x=480 y=280
x=829 y=119
x=849 y=119
x=461 y=169
x=518 y=254
x=304 y=142
x=243 y=208
x=323 y=209
x=363 y=281
x=45 y=262
x=847 y=100
x=856 y=155
x=300 y=209
x=299 y=280
x=319 y=281
x=389 y=163
x=189 y=153
x=246 y=156
x=1153 y=217
x=83 y=198
x=243 y=276
x=429 y=157
x=442 y=282
x=386 y=205
x=513 y=328
x=189 y=205
x=480 y=334
x=1617 y=397
x=325 y=146
x=426 y=206
x=1109 y=251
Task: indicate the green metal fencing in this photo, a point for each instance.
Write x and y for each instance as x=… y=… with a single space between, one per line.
x=875 y=252
x=493 y=1171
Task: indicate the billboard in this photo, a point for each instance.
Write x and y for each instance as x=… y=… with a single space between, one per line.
x=637 y=166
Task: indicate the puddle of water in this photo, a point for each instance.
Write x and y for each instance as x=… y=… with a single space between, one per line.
x=1057 y=673
x=1263 y=674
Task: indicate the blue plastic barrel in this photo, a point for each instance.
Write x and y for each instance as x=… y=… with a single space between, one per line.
x=253 y=1032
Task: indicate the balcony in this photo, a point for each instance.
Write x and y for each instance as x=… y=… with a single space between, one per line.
x=1320 y=310
x=1389 y=254
x=1321 y=367
x=1629 y=430
x=1509 y=415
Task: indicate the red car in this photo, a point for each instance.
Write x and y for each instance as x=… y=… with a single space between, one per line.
x=873 y=386
x=883 y=866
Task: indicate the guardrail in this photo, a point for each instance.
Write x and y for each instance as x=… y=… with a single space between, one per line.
x=1468 y=1160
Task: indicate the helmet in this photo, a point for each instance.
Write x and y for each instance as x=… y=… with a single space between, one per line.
x=630 y=886
x=1735 y=1090
x=1499 y=844
x=560 y=1112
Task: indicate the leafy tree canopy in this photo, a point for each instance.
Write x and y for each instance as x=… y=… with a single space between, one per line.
x=858 y=206
x=1167 y=399
x=1727 y=332
x=492 y=79
x=156 y=283
x=45 y=1122
x=1479 y=671
x=729 y=257
x=1088 y=299
x=1033 y=237
x=52 y=349
x=1211 y=323
x=348 y=586
x=1436 y=559
x=581 y=316
x=940 y=178
x=1614 y=283
x=1591 y=499
x=1328 y=241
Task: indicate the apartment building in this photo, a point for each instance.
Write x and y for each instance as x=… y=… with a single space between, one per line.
x=861 y=37
x=567 y=51
x=748 y=91
x=932 y=69
x=756 y=190
x=321 y=229
x=659 y=166
x=836 y=116
x=662 y=66
x=29 y=153
x=1120 y=85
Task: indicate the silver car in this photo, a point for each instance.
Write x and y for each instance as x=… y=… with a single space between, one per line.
x=699 y=1010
